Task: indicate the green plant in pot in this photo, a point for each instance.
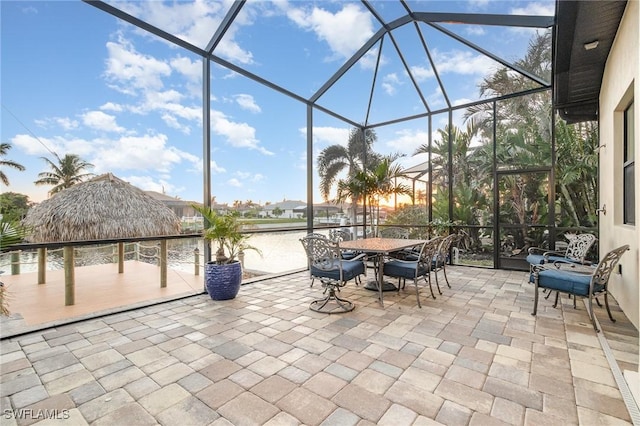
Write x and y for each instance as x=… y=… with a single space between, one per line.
x=223 y=275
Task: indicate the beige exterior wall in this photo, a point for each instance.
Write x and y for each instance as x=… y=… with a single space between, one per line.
x=620 y=85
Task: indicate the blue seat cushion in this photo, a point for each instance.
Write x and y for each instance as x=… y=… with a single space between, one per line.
x=566 y=282
x=538 y=259
x=348 y=254
x=350 y=270
x=399 y=269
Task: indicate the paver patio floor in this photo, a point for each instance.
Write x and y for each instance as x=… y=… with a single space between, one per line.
x=473 y=356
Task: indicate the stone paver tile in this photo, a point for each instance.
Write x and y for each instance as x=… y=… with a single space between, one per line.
x=507 y=411
x=355 y=360
x=465 y=376
x=549 y=385
x=190 y=353
x=141 y=387
x=602 y=398
x=159 y=364
x=220 y=369
x=324 y=384
x=250 y=358
x=69 y=382
x=56 y=362
x=587 y=416
x=535 y=417
x=294 y=375
x=129 y=414
x=341 y=417
x=246 y=409
x=121 y=378
x=312 y=363
x=171 y=374
x=425 y=421
x=593 y=373
x=59 y=405
x=194 y=382
x=101 y=359
x=219 y=393
x=564 y=408
x=189 y=411
x=14 y=365
x=306 y=406
x=267 y=366
x=164 y=397
x=509 y=373
x=104 y=404
x=516 y=393
x=146 y=356
x=374 y=381
x=359 y=400
x=29 y=396
x=479 y=419
x=127 y=348
x=282 y=419
x=474 y=399
x=388 y=369
x=273 y=388
x=398 y=415
x=517 y=353
x=438 y=356
x=246 y=378
x=419 y=400
x=86 y=392
x=421 y=378
x=453 y=414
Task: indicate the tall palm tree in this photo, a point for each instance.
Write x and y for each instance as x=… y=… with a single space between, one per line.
x=335 y=160
x=68 y=172
x=4 y=147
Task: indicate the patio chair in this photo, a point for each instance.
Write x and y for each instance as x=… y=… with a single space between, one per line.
x=394 y=232
x=577 y=280
x=326 y=264
x=441 y=257
x=576 y=251
x=419 y=267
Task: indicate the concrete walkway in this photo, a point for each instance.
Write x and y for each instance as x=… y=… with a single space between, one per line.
x=474 y=356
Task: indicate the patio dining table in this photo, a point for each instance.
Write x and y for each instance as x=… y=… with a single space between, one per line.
x=379 y=247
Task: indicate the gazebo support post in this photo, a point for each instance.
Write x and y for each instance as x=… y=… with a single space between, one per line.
x=69 y=276
x=42 y=265
x=120 y=257
x=163 y=263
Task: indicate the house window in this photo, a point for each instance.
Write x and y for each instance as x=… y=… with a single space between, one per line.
x=628 y=167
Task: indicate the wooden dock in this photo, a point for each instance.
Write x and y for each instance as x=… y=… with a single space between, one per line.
x=98 y=289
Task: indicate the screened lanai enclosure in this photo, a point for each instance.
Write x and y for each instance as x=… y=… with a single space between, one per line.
x=460 y=100
x=302 y=96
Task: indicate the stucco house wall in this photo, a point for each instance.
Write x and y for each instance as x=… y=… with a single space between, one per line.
x=621 y=85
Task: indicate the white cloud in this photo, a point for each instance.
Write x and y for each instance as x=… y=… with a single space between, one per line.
x=43 y=146
x=148 y=183
x=536 y=9
x=344 y=32
x=247 y=102
x=235 y=183
x=475 y=30
x=113 y=107
x=408 y=140
x=327 y=135
x=422 y=73
x=389 y=83
x=65 y=123
x=238 y=135
x=463 y=62
x=98 y=120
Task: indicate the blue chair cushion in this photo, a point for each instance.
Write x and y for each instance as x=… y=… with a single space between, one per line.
x=436 y=263
x=350 y=270
x=399 y=269
x=565 y=282
x=538 y=259
x=348 y=254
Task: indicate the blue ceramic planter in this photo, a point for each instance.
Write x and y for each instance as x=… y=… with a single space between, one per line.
x=223 y=281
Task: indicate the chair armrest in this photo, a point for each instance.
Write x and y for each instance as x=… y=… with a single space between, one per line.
x=358 y=257
x=534 y=250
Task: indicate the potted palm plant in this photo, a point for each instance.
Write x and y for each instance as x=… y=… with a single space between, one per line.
x=223 y=275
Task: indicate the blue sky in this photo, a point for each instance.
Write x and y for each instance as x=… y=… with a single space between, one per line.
x=77 y=80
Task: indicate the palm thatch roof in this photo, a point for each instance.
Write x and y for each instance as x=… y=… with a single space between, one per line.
x=104 y=207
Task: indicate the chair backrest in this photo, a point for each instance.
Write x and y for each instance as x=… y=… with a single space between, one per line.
x=579 y=245
x=429 y=251
x=607 y=264
x=316 y=234
x=321 y=252
x=394 y=232
x=445 y=245
x=337 y=235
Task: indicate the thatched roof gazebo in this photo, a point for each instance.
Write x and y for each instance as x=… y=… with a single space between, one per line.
x=104 y=207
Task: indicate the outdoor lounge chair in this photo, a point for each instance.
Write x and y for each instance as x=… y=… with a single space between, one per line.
x=577 y=280
x=326 y=264
x=576 y=251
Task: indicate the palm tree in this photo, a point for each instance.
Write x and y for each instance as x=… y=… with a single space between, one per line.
x=335 y=160
x=68 y=172
x=4 y=147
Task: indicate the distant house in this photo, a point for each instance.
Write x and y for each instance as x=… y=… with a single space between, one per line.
x=181 y=208
x=290 y=209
